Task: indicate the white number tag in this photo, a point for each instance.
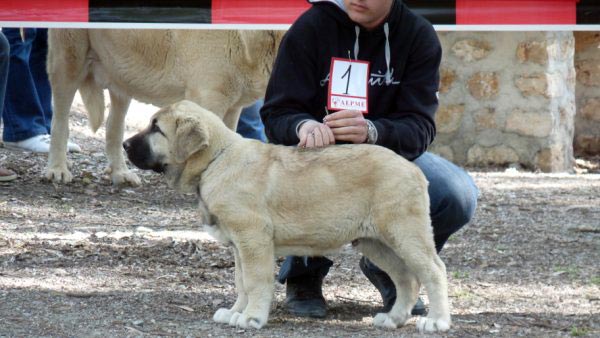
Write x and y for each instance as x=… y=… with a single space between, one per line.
x=348 y=85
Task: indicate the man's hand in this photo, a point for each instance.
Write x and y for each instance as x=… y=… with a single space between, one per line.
x=348 y=125
x=313 y=134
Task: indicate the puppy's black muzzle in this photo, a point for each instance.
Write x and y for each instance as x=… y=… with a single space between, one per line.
x=140 y=154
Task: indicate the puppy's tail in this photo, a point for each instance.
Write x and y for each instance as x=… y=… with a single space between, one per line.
x=93 y=99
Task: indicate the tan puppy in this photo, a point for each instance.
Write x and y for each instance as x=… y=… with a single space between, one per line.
x=223 y=71
x=267 y=200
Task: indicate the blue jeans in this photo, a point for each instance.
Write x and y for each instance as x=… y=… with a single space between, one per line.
x=453 y=199
x=28 y=106
x=4 y=57
x=250 y=124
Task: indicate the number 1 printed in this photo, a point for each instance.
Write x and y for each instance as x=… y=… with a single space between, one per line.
x=348 y=72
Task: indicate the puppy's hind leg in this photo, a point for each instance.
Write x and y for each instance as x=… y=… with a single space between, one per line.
x=115 y=127
x=230 y=316
x=405 y=282
x=436 y=284
x=418 y=252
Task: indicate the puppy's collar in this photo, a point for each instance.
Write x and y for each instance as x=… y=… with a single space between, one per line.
x=215 y=156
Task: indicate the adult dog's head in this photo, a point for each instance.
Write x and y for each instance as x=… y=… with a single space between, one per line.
x=176 y=134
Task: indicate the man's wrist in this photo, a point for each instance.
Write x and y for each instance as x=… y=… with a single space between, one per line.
x=371 y=133
x=300 y=126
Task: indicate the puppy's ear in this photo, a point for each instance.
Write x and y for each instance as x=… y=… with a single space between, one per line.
x=191 y=136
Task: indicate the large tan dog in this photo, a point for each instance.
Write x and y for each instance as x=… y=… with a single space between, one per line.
x=221 y=70
x=266 y=200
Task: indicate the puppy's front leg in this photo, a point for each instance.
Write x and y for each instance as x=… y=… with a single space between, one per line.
x=258 y=268
x=230 y=316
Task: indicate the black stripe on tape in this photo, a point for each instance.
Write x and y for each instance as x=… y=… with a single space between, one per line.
x=152 y=11
x=588 y=12
x=438 y=12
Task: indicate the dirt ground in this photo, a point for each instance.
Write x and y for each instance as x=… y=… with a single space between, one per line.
x=89 y=259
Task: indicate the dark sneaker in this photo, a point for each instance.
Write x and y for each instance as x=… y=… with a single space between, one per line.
x=419 y=309
x=304 y=297
x=386 y=287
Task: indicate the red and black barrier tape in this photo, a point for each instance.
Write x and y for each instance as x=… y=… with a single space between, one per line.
x=439 y=12
x=508 y=12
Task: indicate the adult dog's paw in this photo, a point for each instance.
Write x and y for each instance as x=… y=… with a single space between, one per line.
x=383 y=320
x=224 y=315
x=432 y=325
x=125 y=177
x=59 y=174
x=245 y=322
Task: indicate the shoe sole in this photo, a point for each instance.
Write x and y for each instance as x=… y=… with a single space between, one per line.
x=307 y=311
x=308 y=314
x=8 y=178
x=14 y=147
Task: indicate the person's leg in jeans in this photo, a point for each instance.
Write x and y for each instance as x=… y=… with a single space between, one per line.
x=453 y=199
x=5 y=174
x=4 y=57
x=23 y=114
x=28 y=106
x=250 y=124
x=37 y=65
x=452 y=194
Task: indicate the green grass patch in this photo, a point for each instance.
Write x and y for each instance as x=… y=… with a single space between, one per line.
x=460 y=274
x=571 y=271
x=463 y=294
x=579 y=331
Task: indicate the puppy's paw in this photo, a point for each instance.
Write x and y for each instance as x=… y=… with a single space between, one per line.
x=223 y=315
x=245 y=322
x=383 y=320
x=427 y=324
x=390 y=320
x=234 y=318
x=125 y=177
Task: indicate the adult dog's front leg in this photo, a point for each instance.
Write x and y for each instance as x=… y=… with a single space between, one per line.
x=62 y=98
x=115 y=126
x=230 y=316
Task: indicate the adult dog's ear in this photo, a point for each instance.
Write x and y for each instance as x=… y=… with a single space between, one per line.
x=191 y=136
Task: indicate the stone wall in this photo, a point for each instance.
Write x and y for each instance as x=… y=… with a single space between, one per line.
x=507 y=98
x=587 y=120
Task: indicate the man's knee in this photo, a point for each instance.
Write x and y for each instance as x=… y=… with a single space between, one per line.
x=4 y=47
x=452 y=193
x=455 y=209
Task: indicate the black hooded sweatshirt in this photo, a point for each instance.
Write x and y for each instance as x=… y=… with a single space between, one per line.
x=402 y=110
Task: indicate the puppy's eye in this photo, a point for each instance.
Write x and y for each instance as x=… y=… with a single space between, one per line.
x=154 y=126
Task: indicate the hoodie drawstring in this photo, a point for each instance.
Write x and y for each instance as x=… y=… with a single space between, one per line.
x=386 y=30
x=388 y=73
x=357 y=30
